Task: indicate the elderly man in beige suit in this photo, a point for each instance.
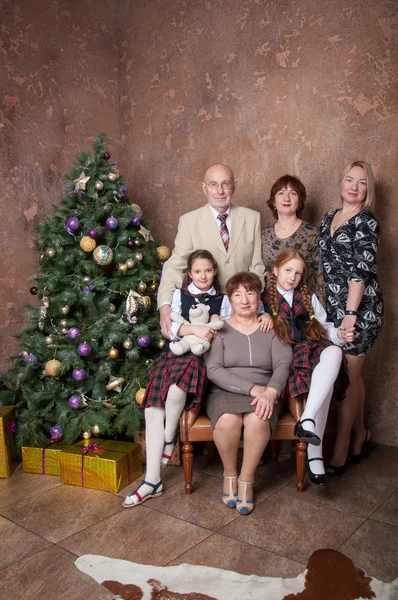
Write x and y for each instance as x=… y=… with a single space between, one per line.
x=231 y=233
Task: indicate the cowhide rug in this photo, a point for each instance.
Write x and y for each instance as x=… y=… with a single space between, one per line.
x=330 y=575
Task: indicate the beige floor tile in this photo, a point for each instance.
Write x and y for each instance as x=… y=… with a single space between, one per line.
x=382 y=461
x=138 y=534
x=374 y=547
x=356 y=493
x=60 y=512
x=292 y=528
x=226 y=553
x=17 y=543
x=388 y=512
x=21 y=486
x=171 y=475
x=47 y=575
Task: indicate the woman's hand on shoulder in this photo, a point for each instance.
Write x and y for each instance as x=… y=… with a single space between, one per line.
x=266 y=322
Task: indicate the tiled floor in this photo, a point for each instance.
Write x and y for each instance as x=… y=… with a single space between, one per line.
x=45 y=525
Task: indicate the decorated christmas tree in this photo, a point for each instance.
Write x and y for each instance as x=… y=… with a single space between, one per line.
x=86 y=354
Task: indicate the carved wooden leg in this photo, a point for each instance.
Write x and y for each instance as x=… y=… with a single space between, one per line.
x=187 y=459
x=301 y=453
x=274 y=449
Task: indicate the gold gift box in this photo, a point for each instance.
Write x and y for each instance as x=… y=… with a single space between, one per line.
x=41 y=460
x=175 y=459
x=109 y=467
x=8 y=463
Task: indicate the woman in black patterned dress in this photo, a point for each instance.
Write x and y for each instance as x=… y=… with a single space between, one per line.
x=348 y=241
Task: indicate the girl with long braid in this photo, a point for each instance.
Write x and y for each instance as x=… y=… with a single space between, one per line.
x=300 y=320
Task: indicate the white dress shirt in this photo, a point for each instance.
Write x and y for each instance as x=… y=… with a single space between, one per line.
x=319 y=313
x=225 y=310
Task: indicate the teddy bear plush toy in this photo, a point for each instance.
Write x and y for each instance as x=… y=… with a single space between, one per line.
x=198 y=315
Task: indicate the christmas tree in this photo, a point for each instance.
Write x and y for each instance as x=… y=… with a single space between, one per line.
x=86 y=354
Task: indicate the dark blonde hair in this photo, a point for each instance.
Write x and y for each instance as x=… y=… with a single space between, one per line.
x=250 y=282
x=370 y=200
x=313 y=330
x=197 y=254
x=296 y=184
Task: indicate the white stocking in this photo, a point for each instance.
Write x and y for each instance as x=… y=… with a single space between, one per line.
x=317 y=406
x=154 y=442
x=175 y=403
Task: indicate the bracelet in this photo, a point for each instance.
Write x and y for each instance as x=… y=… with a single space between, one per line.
x=351 y=312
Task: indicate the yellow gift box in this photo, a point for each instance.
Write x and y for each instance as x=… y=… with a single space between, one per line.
x=8 y=463
x=41 y=460
x=106 y=465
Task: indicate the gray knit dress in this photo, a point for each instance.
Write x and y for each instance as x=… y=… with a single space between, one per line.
x=236 y=362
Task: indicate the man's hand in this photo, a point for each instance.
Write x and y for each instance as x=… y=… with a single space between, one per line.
x=165 y=320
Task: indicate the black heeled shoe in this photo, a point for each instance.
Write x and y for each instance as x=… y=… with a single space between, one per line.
x=355 y=459
x=307 y=436
x=334 y=471
x=318 y=480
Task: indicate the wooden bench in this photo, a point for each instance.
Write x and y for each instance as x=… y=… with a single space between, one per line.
x=195 y=427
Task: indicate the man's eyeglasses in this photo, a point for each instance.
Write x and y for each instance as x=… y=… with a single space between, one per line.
x=225 y=185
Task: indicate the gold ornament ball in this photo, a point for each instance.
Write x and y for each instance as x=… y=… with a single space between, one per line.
x=140 y=395
x=136 y=209
x=112 y=177
x=130 y=264
x=137 y=243
x=41 y=257
x=113 y=353
x=138 y=256
x=86 y=279
x=127 y=344
x=50 y=253
x=63 y=331
x=48 y=340
x=24 y=353
x=111 y=308
x=154 y=286
x=103 y=255
x=52 y=368
x=122 y=268
x=65 y=310
x=63 y=323
x=88 y=244
x=142 y=286
x=99 y=185
x=161 y=343
x=86 y=435
x=95 y=430
x=163 y=252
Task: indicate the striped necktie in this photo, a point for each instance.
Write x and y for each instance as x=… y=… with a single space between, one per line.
x=224 y=230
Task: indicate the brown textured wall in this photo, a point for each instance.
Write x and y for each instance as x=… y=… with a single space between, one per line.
x=267 y=86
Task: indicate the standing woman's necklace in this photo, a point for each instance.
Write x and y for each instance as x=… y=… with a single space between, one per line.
x=290 y=226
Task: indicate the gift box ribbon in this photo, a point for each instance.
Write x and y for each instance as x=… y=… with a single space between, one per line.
x=95 y=448
x=43 y=455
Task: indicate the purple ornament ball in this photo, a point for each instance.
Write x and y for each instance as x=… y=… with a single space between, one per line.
x=84 y=349
x=143 y=341
x=73 y=333
x=122 y=191
x=112 y=223
x=130 y=243
x=56 y=432
x=73 y=223
x=106 y=155
x=79 y=374
x=75 y=401
x=89 y=288
x=136 y=220
x=30 y=358
x=92 y=233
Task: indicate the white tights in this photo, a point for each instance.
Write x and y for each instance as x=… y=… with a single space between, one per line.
x=317 y=406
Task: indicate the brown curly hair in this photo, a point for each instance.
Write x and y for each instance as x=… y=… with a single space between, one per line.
x=298 y=187
x=313 y=330
x=250 y=282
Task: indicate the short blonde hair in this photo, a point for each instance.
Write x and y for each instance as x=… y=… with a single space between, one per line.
x=370 y=200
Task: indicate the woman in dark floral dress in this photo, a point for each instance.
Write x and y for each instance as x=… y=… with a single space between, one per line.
x=348 y=241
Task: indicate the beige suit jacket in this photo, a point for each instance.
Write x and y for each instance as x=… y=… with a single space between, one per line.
x=197 y=230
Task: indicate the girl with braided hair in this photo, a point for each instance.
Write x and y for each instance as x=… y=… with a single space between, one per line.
x=300 y=320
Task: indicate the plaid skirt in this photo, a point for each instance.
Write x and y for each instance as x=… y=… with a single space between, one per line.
x=187 y=371
x=306 y=356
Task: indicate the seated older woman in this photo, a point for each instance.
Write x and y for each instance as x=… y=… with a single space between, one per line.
x=247 y=370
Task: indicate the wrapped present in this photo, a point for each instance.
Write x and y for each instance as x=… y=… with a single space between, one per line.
x=175 y=459
x=8 y=463
x=41 y=460
x=106 y=465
